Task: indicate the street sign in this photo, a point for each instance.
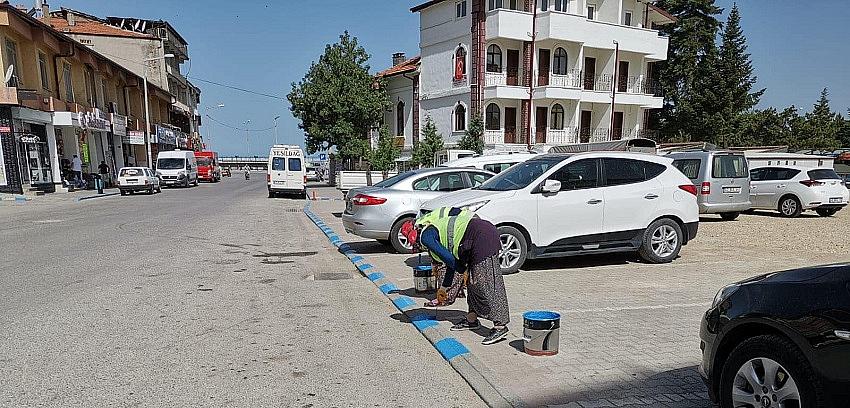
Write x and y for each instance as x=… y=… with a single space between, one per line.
x=323 y=157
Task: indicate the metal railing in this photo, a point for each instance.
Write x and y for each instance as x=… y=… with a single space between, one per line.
x=572 y=79
x=639 y=85
x=495 y=79
x=562 y=136
x=494 y=136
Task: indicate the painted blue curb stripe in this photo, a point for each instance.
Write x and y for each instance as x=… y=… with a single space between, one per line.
x=423 y=321
x=450 y=348
x=364 y=267
x=357 y=258
x=348 y=251
x=374 y=276
x=403 y=302
x=387 y=288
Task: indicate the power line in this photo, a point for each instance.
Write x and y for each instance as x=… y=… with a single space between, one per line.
x=238 y=128
x=237 y=88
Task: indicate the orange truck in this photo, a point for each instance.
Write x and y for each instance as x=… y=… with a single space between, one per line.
x=208 y=166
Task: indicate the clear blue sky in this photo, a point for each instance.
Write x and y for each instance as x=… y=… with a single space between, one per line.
x=266 y=45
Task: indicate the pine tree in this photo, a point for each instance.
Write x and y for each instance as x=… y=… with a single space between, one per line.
x=473 y=138
x=819 y=128
x=431 y=143
x=844 y=132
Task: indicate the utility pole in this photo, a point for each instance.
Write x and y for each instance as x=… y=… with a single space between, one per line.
x=275 y=128
x=247 y=140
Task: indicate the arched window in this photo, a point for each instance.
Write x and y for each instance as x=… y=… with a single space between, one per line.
x=460 y=118
x=399 y=119
x=460 y=64
x=494 y=58
x=492 y=120
x=559 y=63
x=557 y=117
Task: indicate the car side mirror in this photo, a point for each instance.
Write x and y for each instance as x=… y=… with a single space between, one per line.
x=551 y=186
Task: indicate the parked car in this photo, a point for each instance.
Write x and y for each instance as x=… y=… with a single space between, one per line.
x=780 y=340
x=493 y=163
x=598 y=202
x=133 y=179
x=312 y=174
x=722 y=180
x=378 y=212
x=847 y=180
x=792 y=190
x=177 y=168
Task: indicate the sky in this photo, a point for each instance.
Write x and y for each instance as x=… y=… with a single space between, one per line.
x=264 y=46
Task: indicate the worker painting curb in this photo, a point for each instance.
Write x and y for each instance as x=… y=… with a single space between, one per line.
x=458 y=356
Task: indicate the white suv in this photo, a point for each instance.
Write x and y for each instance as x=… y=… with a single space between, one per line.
x=792 y=190
x=600 y=202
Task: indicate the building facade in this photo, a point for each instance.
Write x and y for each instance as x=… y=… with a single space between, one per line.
x=62 y=99
x=402 y=119
x=541 y=72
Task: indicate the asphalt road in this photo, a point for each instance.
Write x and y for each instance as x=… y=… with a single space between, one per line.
x=214 y=296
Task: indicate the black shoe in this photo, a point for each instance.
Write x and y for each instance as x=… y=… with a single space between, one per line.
x=465 y=325
x=495 y=335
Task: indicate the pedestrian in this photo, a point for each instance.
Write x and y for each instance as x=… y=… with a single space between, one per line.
x=103 y=169
x=463 y=242
x=77 y=168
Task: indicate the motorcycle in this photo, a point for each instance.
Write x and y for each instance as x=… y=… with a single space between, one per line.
x=247 y=175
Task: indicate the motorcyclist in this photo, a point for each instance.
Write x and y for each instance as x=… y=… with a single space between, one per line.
x=247 y=173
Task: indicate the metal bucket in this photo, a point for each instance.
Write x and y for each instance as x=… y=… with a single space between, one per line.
x=541 y=330
x=423 y=279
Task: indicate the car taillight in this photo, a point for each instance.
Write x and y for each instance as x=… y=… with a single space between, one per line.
x=811 y=183
x=305 y=179
x=689 y=188
x=363 y=199
x=268 y=178
x=706 y=188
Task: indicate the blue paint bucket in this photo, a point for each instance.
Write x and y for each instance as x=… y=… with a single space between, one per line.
x=423 y=278
x=541 y=331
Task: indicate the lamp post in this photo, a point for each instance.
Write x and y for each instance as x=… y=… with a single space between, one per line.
x=247 y=141
x=209 y=134
x=147 y=107
x=275 y=128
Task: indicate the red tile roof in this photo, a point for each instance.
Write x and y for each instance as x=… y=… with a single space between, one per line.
x=91 y=27
x=402 y=68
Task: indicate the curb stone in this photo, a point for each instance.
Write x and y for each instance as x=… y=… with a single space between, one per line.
x=473 y=371
x=92 y=197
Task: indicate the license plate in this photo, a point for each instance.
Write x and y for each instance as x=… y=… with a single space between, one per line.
x=132 y=180
x=835 y=200
x=731 y=190
x=279 y=182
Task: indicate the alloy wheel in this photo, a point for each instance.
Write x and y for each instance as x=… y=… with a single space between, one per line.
x=510 y=252
x=789 y=206
x=403 y=241
x=664 y=241
x=761 y=383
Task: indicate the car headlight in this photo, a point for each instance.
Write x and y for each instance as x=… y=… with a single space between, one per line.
x=724 y=294
x=475 y=206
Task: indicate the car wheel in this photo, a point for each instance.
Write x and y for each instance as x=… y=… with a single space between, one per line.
x=729 y=216
x=159 y=189
x=123 y=193
x=662 y=241
x=789 y=206
x=271 y=194
x=826 y=212
x=768 y=371
x=150 y=191
x=398 y=240
x=514 y=249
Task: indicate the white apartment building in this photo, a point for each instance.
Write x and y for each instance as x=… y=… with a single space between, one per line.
x=541 y=72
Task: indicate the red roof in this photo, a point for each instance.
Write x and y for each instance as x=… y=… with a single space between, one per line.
x=91 y=27
x=402 y=68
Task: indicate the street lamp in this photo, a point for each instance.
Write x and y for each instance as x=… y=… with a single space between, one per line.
x=247 y=142
x=275 y=128
x=209 y=133
x=147 y=107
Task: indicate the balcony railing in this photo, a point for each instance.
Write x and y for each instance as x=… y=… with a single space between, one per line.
x=494 y=136
x=495 y=79
x=562 y=136
x=639 y=85
x=571 y=80
x=602 y=82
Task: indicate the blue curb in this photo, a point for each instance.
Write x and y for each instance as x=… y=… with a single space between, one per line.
x=422 y=321
x=387 y=288
x=450 y=348
x=356 y=259
x=364 y=267
x=375 y=276
x=403 y=302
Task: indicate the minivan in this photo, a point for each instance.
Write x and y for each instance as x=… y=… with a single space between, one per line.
x=177 y=168
x=287 y=173
x=722 y=180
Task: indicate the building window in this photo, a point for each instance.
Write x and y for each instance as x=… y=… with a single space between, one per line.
x=103 y=96
x=494 y=58
x=460 y=9
x=12 y=60
x=591 y=12
x=43 y=70
x=69 y=85
x=561 y=5
x=492 y=119
x=559 y=63
x=460 y=118
x=497 y=4
x=399 y=119
x=460 y=64
x=627 y=18
x=91 y=92
x=558 y=117
x=544 y=5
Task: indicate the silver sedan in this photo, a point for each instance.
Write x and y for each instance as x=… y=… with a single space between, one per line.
x=378 y=212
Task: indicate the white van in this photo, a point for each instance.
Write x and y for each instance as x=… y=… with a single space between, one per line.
x=287 y=171
x=177 y=168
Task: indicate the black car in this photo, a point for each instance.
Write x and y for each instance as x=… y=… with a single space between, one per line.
x=780 y=340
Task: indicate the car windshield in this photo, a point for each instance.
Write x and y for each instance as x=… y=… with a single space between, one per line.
x=171 y=164
x=522 y=174
x=394 y=180
x=204 y=161
x=823 y=174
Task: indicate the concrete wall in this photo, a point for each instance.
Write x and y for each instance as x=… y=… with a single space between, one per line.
x=400 y=88
x=124 y=51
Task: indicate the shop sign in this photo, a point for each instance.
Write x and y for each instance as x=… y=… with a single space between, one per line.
x=119 y=125
x=165 y=136
x=30 y=138
x=95 y=120
x=84 y=150
x=136 y=137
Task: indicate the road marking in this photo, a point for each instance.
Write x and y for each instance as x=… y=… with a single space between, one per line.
x=629 y=308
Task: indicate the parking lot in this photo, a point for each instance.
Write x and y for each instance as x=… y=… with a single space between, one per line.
x=629 y=330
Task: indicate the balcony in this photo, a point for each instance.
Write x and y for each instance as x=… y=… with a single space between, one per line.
x=561 y=26
x=562 y=136
x=505 y=23
x=495 y=79
x=496 y=86
x=502 y=136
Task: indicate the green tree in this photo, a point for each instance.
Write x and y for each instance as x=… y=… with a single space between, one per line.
x=819 y=128
x=337 y=101
x=431 y=143
x=473 y=137
x=692 y=37
x=384 y=156
x=844 y=132
x=767 y=127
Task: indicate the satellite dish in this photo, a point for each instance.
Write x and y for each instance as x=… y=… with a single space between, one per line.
x=9 y=72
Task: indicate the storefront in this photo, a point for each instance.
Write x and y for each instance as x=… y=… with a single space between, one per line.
x=94 y=140
x=38 y=163
x=10 y=181
x=119 y=134
x=136 y=153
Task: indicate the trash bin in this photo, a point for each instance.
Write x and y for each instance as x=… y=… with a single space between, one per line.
x=541 y=330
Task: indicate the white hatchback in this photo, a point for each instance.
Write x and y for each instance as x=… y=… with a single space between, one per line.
x=133 y=179
x=792 y=190
x=557 y=205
